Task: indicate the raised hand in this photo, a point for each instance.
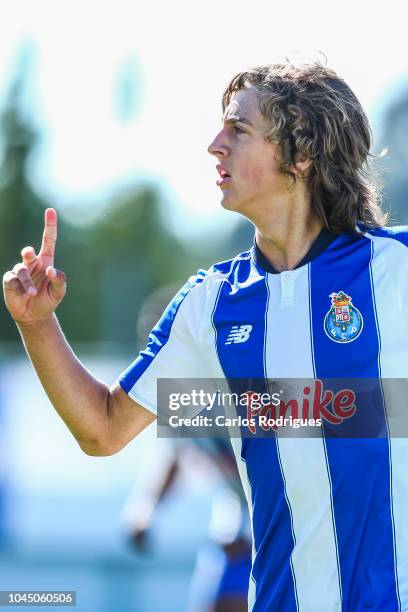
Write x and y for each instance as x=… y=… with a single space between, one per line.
x=34 y=288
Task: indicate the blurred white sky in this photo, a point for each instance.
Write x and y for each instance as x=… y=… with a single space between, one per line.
x=184 y=53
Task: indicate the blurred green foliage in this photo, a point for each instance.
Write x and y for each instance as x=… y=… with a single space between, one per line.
x=111 y=266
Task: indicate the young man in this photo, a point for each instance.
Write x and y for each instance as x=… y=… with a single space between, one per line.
x=321 y=295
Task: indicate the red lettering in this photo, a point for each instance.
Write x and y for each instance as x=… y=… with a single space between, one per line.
x=252 y=408
x=344 y=403
x=320 y=404
x=305 y=403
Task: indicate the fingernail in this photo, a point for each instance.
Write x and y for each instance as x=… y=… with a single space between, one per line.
x=32 y=291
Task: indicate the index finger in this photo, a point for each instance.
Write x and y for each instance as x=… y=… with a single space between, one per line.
x=50 y=234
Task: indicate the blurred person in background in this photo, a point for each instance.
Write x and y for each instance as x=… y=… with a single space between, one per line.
x=323 y=293
x=221 y=576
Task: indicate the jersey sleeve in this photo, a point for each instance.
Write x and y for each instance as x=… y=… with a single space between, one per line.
x=392 y=244
x=172 y=349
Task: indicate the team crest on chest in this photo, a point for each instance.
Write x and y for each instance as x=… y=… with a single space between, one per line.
x=343 y=322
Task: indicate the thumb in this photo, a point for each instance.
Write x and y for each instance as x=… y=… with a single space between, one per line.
x=58 y=282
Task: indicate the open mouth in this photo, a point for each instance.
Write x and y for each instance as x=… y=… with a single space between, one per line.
x=225 y=177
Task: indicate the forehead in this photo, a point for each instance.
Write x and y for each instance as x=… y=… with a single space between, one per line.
x=244 y=103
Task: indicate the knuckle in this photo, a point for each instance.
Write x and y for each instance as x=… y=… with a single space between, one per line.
x=18 y=268
x=27 y=251
x=24 y=278
x=61 y=276
x=10 y=280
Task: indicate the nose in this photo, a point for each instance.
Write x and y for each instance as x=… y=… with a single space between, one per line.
x=218 y=147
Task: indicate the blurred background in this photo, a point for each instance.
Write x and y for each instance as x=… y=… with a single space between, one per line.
x=106 y=111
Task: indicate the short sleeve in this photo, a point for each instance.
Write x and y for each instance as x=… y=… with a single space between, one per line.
x=172 y=349
x=393 y=245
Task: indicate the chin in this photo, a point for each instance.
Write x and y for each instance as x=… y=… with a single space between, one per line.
x=229 y=202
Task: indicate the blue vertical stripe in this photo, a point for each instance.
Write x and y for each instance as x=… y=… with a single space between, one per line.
x=359 y=467
x=243 y=300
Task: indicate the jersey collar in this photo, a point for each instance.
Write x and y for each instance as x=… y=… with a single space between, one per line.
x=323 y=240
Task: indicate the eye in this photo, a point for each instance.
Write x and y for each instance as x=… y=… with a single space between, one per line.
x=237 y=129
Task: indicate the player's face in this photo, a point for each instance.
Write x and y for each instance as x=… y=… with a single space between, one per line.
x=248 y=164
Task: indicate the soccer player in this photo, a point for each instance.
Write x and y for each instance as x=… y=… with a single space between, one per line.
x=322 y=294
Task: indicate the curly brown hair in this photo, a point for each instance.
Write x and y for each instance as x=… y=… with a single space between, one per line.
x=313 y=113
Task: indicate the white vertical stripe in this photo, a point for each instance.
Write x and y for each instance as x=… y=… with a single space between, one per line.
x=243 y=472
x=389 y=257
x=303 y=460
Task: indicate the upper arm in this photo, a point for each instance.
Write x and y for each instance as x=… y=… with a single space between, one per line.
x=126 y=418
x=171 y=352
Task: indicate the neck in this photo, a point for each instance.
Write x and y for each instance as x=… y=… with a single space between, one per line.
x=285 y=239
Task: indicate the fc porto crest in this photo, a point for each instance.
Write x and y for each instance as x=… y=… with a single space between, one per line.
x=343 y=322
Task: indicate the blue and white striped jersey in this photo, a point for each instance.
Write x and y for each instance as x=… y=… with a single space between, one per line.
x=329 y=515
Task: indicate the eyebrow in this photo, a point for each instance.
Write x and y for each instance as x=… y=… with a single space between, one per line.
x=237 y=119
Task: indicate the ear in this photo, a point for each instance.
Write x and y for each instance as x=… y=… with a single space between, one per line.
x=301 y=166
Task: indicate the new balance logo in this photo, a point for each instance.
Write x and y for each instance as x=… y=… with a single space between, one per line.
x=239 y=334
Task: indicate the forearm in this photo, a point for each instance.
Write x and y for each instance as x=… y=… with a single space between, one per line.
x=102 y=420
x=80 y=399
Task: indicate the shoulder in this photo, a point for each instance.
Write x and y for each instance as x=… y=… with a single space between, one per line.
x=199 y=285
x=393 y=235
x=390 y=252
x=196 y=299
x=201 y=291
x=221 y=270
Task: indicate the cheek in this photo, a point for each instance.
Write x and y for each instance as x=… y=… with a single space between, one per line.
x=259 y=173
